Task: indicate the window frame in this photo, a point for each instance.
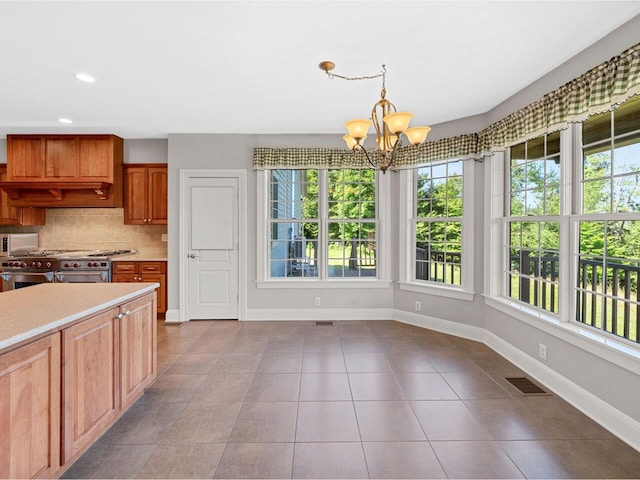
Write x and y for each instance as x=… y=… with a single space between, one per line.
x=564 y=325
x=408 y=198
x=381 y=280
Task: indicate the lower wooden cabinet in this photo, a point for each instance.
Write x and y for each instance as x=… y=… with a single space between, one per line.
x=108 y=361
x=30 y=410
x=90 y=373
x=138 y=337
x=144 y=271
x=58 y=394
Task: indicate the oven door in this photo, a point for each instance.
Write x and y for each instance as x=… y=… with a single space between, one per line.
x=82 y=277
x=15 y=280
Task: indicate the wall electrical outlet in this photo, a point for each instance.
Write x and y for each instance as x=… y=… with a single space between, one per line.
x=542 y=351
x=165 y=237
x=317 y=301
x=418 y=306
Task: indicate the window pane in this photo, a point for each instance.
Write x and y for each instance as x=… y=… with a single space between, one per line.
x=294 y=250
x=438 y=244
x=627 y=117
x=533 y=268
x=611 y=176
x=351 y=194
x=596 y=128
x=608 y=274
x=352 y=249
x=626 y=193
x=627 y=155
x=293 y=194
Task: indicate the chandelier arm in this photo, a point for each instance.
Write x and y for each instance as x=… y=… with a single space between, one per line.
x=357 y=146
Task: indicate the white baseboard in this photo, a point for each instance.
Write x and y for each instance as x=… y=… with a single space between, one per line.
x=439 y=325
x=618 y=423
x=312 y=314
x=172 y=316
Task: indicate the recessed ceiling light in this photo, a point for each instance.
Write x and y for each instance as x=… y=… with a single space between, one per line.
x=65 y=120
x=85 y=77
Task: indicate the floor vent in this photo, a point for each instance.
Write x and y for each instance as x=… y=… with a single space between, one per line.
x=526 y=386
x=324 y=324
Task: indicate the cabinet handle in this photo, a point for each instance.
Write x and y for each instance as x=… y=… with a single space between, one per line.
x=127 y=313
x=119 y=316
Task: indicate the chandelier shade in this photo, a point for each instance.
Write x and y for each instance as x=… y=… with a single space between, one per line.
x=389 y=124
x=398 y=122
x=358 y=128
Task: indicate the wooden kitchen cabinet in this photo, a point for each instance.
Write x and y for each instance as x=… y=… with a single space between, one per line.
x=138 y=336
x=91 y=388
x=30 y=413
x=145 y=194
x=107 y=362
x=64 y=170
x=144 y=271
x=10 y=215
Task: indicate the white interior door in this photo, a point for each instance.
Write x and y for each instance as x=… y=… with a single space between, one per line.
x=212 y=250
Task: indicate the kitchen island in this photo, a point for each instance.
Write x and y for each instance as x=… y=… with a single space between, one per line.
x=73 y=358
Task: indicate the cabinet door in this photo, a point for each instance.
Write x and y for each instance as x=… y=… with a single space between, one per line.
x=161 y=291
x=138 y=348
x=62 y=160
x=157 y=178
x=30 y=410
x=135 y=196
x=96 y=159
x=90 y=371
x=25 y=158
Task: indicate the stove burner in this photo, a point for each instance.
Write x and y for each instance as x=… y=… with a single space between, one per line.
x=109 y=253
x=42 y=253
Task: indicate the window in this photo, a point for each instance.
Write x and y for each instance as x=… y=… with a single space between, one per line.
x=533 y=225
x=438 y=223
x=609 y=224
x=570 y=238
x=437 y=204
x=352 y=222
x=322 y=224
x=294 y=223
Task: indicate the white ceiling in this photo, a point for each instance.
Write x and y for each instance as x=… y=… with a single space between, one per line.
x=252 y=67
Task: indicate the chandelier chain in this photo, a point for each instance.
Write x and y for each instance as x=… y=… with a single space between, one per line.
x=367 y=77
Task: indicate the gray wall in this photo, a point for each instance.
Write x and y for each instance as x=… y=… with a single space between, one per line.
x=236 y=152
x=612 y=384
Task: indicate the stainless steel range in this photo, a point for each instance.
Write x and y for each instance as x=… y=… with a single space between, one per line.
x=57 y=266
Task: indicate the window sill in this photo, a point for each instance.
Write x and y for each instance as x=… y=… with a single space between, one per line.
x=316 y=283
x=441 y=291
x=603 y=346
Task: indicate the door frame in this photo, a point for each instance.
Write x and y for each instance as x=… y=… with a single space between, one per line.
x=183 y=245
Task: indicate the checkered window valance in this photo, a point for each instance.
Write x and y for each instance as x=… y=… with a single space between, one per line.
x=598 y=90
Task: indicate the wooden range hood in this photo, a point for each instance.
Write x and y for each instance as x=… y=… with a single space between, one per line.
x=64 y=170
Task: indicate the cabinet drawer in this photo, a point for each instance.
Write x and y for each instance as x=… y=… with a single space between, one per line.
x=153 y=267
x=125 y=267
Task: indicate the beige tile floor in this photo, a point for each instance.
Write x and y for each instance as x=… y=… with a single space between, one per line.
x=353 y=400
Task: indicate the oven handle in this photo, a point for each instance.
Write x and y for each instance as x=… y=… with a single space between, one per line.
x=8 y=276
x=104 y=275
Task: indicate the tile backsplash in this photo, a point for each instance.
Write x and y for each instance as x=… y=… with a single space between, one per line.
x=95 y=229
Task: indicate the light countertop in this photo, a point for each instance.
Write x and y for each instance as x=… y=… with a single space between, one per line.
x=141 y=257
x=29 y=312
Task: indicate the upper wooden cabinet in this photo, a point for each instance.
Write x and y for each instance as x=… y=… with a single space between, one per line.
x=64 y=170
x=145 y=194
x=18 y=215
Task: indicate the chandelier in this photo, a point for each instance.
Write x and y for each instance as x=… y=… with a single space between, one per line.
x=390 y=125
